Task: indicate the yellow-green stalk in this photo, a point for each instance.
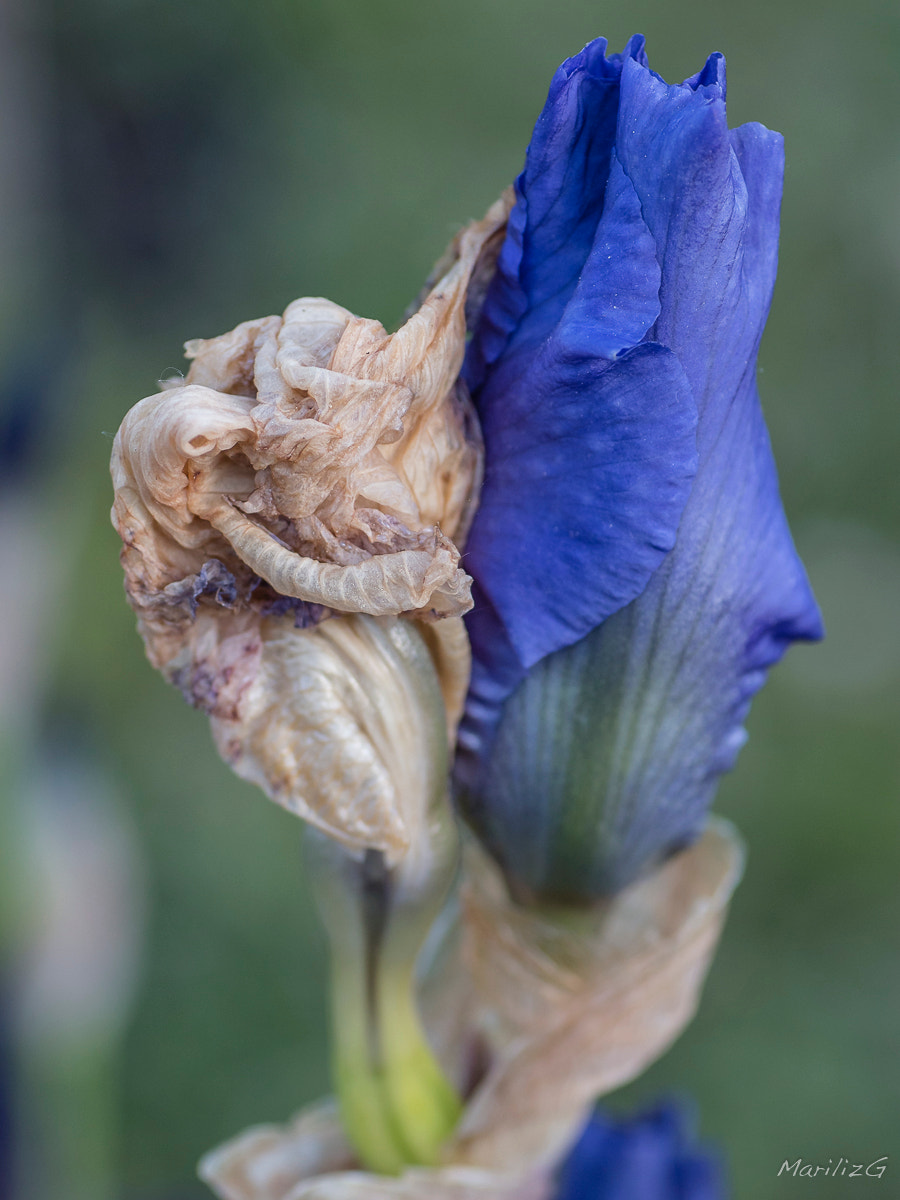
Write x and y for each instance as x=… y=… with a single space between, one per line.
x=397 y=1105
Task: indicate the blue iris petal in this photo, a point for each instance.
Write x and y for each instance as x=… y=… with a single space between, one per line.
x=590 y=436
x=635 y=574
x=646 y=1158
x=560 y=196
x=675 y=146
x=576 y=514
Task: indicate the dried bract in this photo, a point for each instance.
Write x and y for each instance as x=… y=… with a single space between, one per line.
x=573 y=1010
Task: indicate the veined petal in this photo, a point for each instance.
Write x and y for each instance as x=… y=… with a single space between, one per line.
x=617 y=296
x=583 y=498
x=718 y=262
x=577 y=510
x=608 y=754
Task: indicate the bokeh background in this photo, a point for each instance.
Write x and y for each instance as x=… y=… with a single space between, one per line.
x=172 y=167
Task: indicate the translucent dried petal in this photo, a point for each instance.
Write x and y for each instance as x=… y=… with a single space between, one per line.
x=573 y=1012
x=310 y=1159
x=342 y=725
x=226 y=363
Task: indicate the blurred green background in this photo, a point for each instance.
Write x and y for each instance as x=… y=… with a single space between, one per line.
x=172 y=168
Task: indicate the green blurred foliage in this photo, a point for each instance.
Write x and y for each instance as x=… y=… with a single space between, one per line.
x=206 y=161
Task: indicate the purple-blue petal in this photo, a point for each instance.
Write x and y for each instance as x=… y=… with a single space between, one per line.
x=560 y=198
x=607 y=754
x=711 y=73
x=589 y=435
x=645 y=1158
x=575 y=515
x=616 y=299
x=711 y=198
x=583 y=492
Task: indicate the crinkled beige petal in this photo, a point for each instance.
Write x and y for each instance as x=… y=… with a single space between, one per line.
x=310 y=1159
x=165 y=546
x=317 y=452
x=575 y=1012
x=153 y=451
x=427 y=577
x=226 y=363
x=571 y=1009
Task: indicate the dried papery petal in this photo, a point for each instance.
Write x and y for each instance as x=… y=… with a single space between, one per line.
x=166 y=546
x=575 y=1009
x=268 y=1161
x=227 y=363
x=448 y=645
x=309 y=1159
x=342 y=725
x=314 y=451
x=163 y=459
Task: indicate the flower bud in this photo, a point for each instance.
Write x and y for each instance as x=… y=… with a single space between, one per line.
x=635 y=576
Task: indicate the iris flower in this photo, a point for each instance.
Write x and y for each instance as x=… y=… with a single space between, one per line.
x=295 y=518
x=634 y=572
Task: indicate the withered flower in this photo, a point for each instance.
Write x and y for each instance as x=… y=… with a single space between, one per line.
x=292 y=516
x=309 y=465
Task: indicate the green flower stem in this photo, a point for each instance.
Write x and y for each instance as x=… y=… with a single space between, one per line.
x=397 y=1105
